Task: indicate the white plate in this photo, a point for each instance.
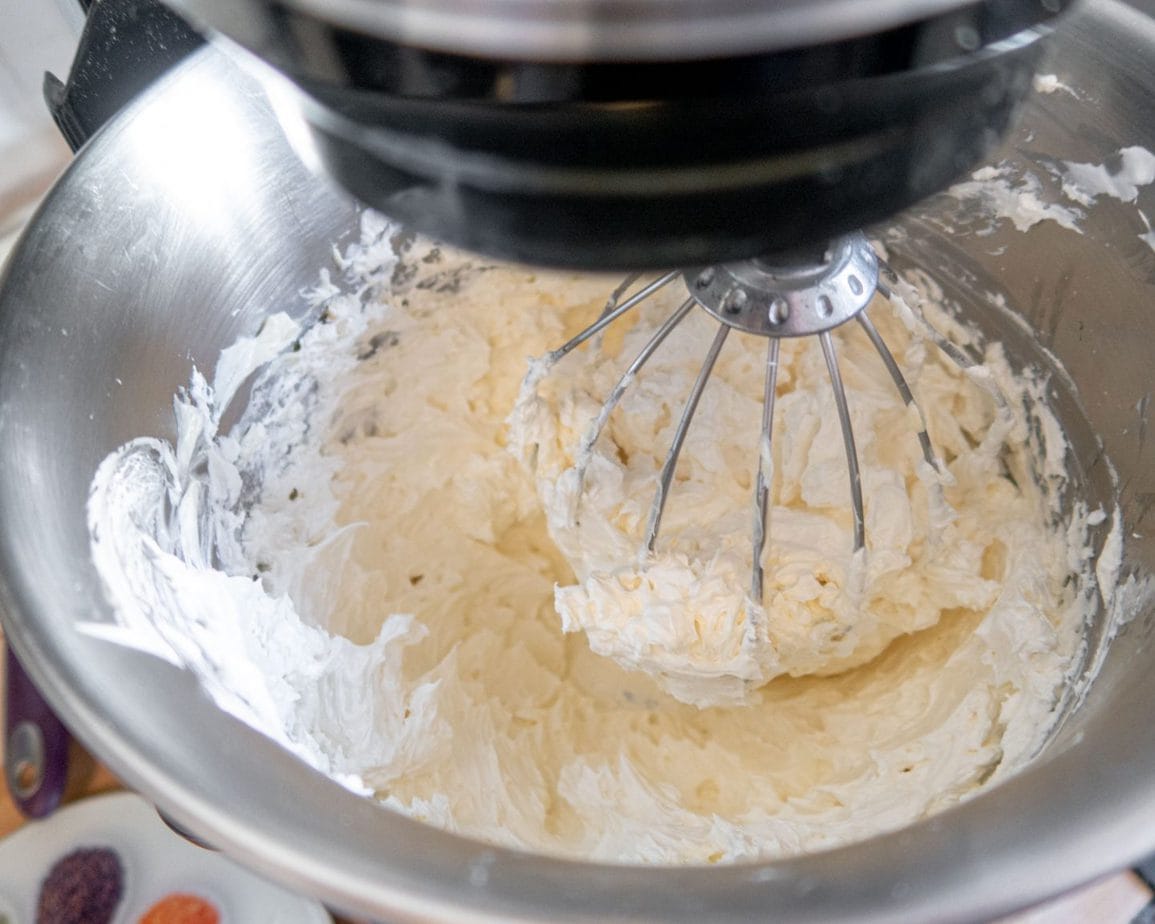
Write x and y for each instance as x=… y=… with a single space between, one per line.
x=156 y=862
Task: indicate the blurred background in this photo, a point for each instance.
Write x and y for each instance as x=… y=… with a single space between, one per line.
x=35 y=36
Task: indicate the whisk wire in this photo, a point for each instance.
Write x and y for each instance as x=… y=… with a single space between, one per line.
x=901 y=384
x=667 y=474
x=618 y=292
x=594 y=431
x=847 y=438
x=953 y=352
x=762 y=486
x=608 y=318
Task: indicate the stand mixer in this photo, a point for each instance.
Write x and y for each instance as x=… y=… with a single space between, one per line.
x=894 y=131
x=652 y=134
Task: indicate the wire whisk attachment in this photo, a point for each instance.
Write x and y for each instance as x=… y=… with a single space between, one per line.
x=804 y=293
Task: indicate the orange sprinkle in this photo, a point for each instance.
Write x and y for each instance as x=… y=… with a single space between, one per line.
x=181 y=908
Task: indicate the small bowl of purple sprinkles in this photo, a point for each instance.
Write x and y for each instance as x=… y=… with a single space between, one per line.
x=83 y=887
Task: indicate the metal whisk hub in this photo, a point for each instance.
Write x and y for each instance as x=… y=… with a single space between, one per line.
x=790 y=295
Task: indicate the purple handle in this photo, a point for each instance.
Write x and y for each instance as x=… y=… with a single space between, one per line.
x=35 y=746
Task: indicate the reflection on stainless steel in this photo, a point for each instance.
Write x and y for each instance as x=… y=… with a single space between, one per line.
x=123 y=279
x=563 y=29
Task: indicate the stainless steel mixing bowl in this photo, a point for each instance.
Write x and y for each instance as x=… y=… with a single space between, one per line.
x=189 y=218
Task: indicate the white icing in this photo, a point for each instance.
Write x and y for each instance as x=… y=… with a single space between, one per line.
x=1110 y=561
x=1084 y=183
x=1050 y=83
x=1017 y=197
x=361 y=569
x=1148 y=236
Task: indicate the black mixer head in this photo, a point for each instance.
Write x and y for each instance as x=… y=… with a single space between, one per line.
x=658 y=133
